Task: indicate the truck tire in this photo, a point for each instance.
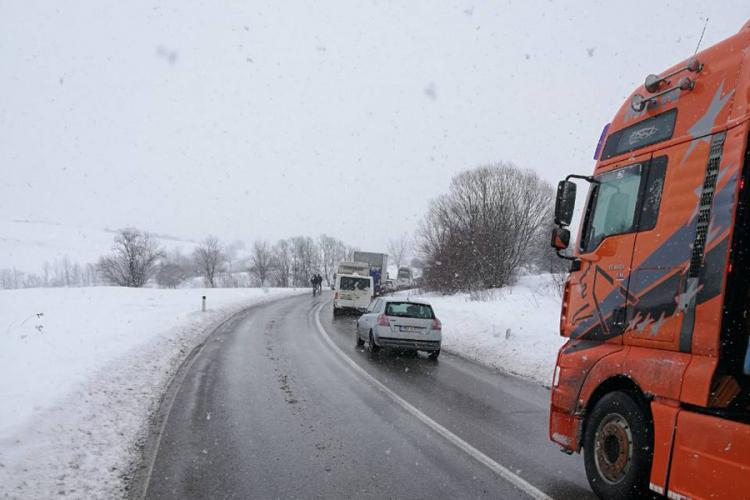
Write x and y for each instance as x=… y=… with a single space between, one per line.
x=618 y=447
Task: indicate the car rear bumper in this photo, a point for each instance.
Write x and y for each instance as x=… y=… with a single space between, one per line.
x=422 y=345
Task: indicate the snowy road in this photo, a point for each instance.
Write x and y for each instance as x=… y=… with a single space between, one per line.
x=270 y=409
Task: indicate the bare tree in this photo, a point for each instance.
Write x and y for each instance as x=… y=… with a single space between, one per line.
x=170 y=275
x=11 y=278
x=90 y=275
x=281 y=263
x=174 y=269
x=133 y=261
x=332 y=251
x=305 y=259
x=209 y=258
x=261 y=258
x=399 y=249
x=485 y=228
x=46 y=271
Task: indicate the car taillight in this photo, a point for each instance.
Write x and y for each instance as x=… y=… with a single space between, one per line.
x=436 y=324
x=383 y=320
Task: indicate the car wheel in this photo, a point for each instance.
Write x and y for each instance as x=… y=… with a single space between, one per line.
x=373 y=347
x=434 y=354
x=618 y=447
x=360 y=342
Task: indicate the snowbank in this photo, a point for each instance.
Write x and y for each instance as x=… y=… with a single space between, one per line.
x=476 y=329
x=81 y=370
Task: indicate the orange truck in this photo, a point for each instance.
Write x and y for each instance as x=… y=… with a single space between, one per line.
x=653 y=383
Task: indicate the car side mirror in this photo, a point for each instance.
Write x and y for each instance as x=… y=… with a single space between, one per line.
x=560 y=238
x=565 y=202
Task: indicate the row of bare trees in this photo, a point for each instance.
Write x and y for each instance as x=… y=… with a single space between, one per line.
x=292 y=261
x=493 y=221
x=136 y=259
x=58 y=273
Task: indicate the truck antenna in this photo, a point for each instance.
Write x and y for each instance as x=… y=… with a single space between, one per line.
x=701 y=38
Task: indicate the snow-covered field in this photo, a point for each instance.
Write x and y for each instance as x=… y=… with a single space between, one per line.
x=81 y=370
x=477 y=329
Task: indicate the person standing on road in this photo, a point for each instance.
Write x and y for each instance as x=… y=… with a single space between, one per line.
x=314 y=283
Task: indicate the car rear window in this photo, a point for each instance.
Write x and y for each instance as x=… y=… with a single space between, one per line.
x=409 y=310
x=354 y=283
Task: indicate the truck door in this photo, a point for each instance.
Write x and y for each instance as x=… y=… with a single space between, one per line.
x=598 y=292
x=662 y=251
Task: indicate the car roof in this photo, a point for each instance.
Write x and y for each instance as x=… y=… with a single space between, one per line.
x=407 y=301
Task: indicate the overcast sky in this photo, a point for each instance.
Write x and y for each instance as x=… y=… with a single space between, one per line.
x=267 y=119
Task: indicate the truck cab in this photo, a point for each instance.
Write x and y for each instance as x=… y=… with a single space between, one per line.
x=653 y=383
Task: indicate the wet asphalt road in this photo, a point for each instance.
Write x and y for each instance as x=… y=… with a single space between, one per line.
x=267 y=409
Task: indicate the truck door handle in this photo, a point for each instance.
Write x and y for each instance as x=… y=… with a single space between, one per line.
x=618 y=316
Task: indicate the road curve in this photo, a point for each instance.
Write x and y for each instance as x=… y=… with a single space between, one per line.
x=268 y=409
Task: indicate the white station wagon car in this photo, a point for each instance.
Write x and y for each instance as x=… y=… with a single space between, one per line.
x=406 y=324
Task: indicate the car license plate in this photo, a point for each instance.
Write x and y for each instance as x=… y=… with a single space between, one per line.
x=410 y=329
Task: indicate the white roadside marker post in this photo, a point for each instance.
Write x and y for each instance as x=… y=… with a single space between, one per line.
x=203 y=304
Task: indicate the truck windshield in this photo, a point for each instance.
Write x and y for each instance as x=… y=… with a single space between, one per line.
x=612 y=203
x=409 y=310
x=348 y=283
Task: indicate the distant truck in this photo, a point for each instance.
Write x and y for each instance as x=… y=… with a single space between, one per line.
x=378 y=263
x=405 y=278
x=350 y=267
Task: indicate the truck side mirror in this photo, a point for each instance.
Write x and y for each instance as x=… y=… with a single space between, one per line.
x=560 y=238
x=566 y=200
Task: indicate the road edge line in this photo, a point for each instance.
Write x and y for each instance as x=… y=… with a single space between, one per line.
x=477 y=455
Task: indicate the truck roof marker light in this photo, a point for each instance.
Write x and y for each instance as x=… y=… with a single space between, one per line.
x=655 y=85
x=600 y=144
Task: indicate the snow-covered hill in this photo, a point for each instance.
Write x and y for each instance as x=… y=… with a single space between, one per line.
x=27 y=244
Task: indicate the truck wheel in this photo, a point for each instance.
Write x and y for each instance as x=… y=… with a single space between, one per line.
x=618 y=447
x=373 y=348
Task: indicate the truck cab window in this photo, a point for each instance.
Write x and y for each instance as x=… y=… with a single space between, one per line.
x=651 y=193
x=612 y=205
